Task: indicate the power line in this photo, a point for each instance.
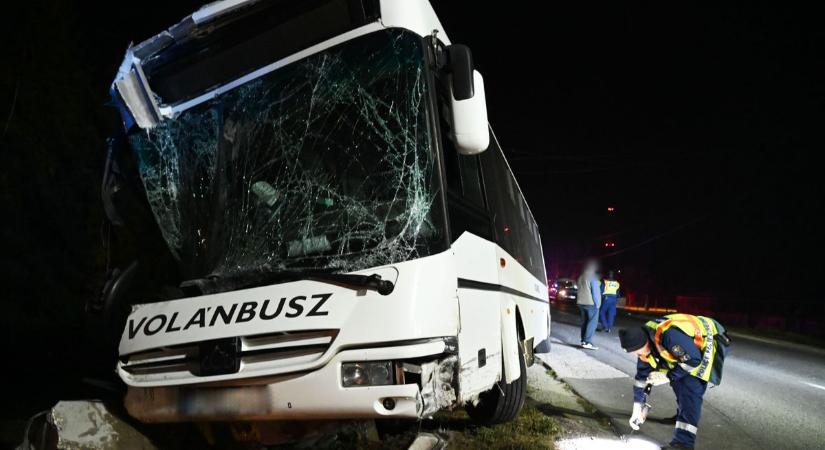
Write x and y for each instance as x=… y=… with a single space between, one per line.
x=656 y=237
x=634 y=246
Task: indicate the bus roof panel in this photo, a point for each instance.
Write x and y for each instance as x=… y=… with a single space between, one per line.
x=227 y=43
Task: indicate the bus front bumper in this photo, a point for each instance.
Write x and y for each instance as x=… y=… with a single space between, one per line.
x=316 y=394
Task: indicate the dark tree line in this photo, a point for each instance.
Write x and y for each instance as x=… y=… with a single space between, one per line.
x=58 y=58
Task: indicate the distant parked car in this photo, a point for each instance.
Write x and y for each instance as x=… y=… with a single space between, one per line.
x=563 y=289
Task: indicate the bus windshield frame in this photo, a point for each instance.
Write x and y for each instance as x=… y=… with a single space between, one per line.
x=331 y=162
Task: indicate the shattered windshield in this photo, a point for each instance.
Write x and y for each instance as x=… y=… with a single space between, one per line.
x=325 y=163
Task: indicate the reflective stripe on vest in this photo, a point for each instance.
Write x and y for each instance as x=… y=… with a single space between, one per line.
x=611 y=287
x=701 y=328
x=708 y=352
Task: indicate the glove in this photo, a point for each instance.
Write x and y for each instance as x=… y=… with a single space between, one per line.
x=639 y=416
x=658 y=379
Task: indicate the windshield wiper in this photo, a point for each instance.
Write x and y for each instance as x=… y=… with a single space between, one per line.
x=371 y=282
x=265 y=276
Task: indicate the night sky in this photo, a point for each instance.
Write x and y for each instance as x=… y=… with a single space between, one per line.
x=702 y=127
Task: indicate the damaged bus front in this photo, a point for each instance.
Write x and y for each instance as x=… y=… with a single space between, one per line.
x=290 y=155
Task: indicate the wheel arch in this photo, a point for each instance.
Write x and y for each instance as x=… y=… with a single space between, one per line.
x=510 y=340
x=520 y=324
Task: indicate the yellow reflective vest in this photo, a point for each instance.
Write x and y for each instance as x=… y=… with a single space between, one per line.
x=611 y=287
x=702 y=329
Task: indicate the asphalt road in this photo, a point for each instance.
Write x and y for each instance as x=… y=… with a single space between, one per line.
x=772 y=394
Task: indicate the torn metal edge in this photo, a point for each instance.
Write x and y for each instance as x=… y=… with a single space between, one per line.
x=438 y=389
x=135 y=93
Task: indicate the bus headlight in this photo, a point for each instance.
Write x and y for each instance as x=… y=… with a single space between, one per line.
x=367 y=373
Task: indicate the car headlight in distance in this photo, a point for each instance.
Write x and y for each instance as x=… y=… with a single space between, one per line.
x=366 y=373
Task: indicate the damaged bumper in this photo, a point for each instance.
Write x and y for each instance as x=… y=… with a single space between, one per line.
x=318 y=394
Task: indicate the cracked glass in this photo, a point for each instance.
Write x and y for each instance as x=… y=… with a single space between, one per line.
x=325 y=163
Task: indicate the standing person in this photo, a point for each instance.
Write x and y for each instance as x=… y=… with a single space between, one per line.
x=589 y=300
x=607 y=313
x=690 y=351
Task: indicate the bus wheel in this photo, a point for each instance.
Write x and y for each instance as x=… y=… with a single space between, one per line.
x=503 y=402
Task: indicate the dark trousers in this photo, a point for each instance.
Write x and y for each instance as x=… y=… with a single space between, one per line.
x=607 y=313
x=589 y=315
x=689 y=392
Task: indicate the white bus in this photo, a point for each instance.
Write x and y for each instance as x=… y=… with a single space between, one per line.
x=348 y=237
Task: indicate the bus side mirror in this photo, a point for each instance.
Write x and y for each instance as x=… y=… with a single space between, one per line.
x=470 y=132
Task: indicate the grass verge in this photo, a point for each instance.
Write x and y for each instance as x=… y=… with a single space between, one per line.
x=532 y=430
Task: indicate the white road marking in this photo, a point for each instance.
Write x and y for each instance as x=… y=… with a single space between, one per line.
x=815 y=386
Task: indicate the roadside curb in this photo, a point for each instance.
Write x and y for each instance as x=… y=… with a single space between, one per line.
x=428 y=441
x=569 y=396
x=589 y=410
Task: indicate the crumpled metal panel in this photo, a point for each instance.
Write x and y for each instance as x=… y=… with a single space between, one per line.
x=324 y=163
x=438 y=385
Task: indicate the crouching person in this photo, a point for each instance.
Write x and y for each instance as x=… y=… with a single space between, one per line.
x=690 y=351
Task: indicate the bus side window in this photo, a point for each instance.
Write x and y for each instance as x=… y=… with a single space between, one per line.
x=451 y=156
x=465 y=192
x=471 y=180
x=463 y=171
x=514 y=228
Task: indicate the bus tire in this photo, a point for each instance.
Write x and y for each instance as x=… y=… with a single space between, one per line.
x=503 y=402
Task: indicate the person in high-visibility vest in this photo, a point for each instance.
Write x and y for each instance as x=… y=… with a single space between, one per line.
x=607 y=312
x=690 y=352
